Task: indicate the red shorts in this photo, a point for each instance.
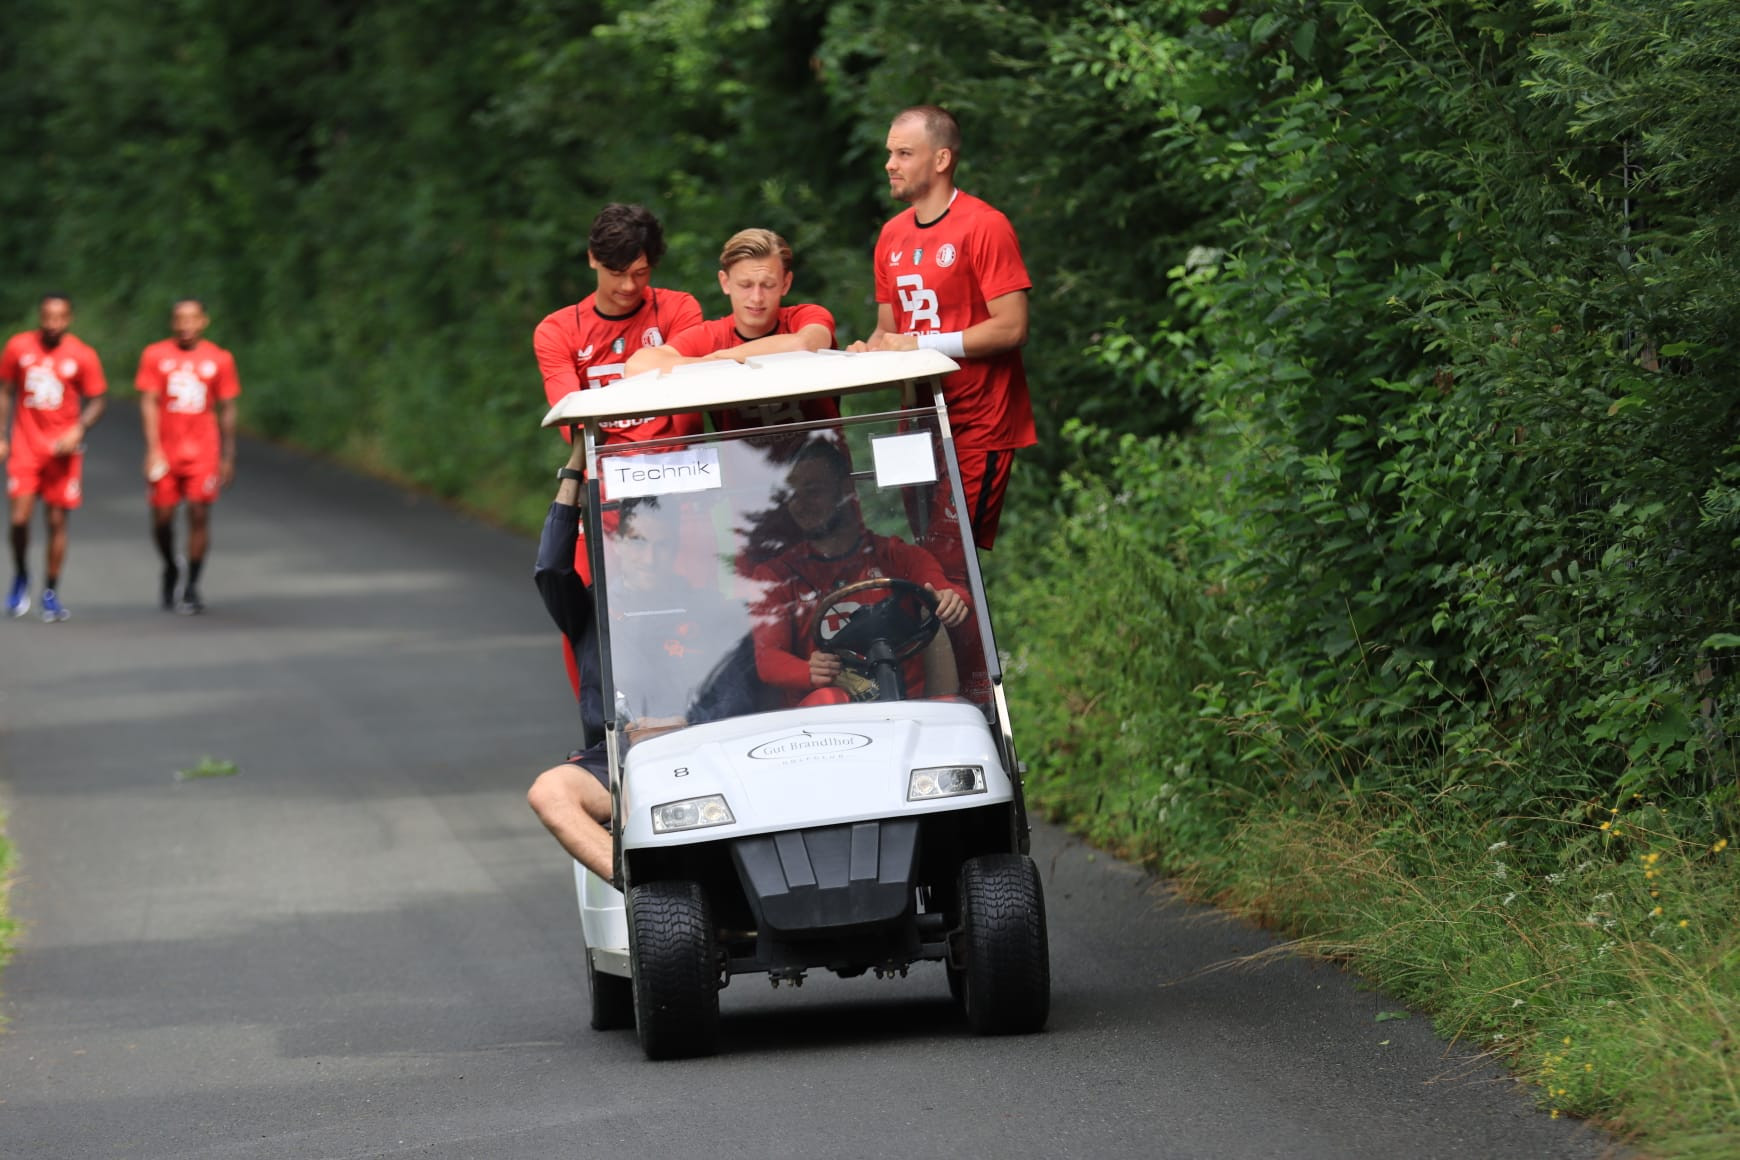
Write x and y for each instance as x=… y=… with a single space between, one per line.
x=195 y=484
x=58 y=479
x=984 y=479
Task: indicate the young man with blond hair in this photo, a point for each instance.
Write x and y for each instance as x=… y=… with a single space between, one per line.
x=755 y=273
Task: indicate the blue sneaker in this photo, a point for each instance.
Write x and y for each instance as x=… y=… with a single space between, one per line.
x=51 y=607
x=18 y=603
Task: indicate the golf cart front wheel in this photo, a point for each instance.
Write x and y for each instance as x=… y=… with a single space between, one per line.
x=676 y=974
x=1006 y=968
x=612 y=998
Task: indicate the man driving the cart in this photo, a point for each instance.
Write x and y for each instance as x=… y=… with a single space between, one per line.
x=847 y=614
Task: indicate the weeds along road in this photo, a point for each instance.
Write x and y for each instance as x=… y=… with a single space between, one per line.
x=363 y=944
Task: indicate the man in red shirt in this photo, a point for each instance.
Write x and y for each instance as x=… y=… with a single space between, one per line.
x=837 y=549
x=187 y=404
x=588 y=345
x=58 y=384
x=949 y=276
x=755 y=272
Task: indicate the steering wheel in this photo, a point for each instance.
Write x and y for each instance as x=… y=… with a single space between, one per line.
x=902 y=629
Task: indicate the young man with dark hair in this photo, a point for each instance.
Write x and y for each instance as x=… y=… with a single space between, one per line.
x=949 y=276
x=187 y=406
x=755 y=272
x=59 y=386
x=588 y=345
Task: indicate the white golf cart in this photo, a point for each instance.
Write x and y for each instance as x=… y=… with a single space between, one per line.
x=763 y=828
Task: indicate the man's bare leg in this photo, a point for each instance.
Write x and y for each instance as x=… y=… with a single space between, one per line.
x=574 y=807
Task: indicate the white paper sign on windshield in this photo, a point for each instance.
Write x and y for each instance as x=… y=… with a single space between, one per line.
x=661 y=473
x=902 y=460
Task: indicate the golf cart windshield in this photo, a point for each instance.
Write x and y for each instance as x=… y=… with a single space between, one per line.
x=789 y=567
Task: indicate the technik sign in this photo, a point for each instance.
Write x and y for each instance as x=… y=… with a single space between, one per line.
x=661 y=473
x=798 y=745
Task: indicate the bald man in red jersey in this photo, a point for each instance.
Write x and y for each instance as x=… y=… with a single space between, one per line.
x=58 y=385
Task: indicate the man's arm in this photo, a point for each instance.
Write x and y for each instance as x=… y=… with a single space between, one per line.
x=653 y=358
x=1004 y=331
x=555 y=361
x=6 y=389
x=566 y=597
x=93 y=410
x=815 y=336
x=884 y=327
x=151 y=422
x=227 y=439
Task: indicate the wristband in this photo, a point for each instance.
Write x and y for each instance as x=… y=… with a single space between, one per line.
x=951 y=342
x=570 y=473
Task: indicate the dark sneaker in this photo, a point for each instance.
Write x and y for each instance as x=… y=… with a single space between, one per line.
x=52 y=609
x=171 y=577
x=18 y=603
x=191 y=604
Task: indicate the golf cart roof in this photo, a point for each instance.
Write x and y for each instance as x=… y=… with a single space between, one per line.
x=705 y=386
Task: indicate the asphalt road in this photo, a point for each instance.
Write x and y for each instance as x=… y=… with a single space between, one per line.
x=363 y=944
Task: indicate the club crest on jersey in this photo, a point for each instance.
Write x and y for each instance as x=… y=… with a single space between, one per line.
x=68 y=368
x=918 y=257
x=946 y=255
x=894 y=258
x=207 y=369
x=652 y=337
x=616 y=346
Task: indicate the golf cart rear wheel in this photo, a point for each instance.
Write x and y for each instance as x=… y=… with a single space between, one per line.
x=612 y=999
x=676 y=973
x=1006 y=972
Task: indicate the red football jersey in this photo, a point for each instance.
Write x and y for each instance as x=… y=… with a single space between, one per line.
x=189 y=383
x=721 y=334
x=579 y=348
x=938 y=278
x=48 y=390
x=794 y=582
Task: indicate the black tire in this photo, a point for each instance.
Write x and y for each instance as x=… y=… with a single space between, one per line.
x=612 y=999
x=1007 y=967
x=676 y=972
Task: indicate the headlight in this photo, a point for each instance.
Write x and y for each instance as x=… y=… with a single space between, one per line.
x=942 y=781
x=691 y=814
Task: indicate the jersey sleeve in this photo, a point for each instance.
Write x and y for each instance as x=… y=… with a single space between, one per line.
x=773 y=630
x=555 y=360
x=228 y=384
x=148 y=380
x=686 y=313
x=91 y=379
x=9 y=368
x=695 y=341
x=997 y=257
x=809 y=314
x=911 y=562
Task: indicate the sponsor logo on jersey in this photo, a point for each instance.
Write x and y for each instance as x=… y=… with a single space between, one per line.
x=584 y=353
x=946 y=255
x=652 y=337
x=894 y=258
x=165 y=366
x=918 y=257
x=27 y=360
